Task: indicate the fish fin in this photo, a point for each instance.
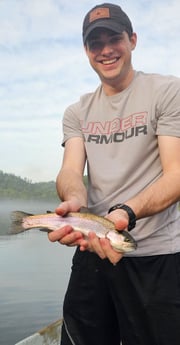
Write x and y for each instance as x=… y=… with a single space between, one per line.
x=46 y=229
x=84 y=210
x=17 y=220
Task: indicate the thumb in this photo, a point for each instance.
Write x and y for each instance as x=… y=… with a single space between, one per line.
x=121 y=224
x=62 y=209
x=120 y=220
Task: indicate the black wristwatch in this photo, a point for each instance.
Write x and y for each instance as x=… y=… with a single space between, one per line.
x=130 y=212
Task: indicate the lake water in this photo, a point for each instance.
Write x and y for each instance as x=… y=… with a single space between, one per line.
x=33 y=276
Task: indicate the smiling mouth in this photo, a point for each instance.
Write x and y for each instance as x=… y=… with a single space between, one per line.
x=109 y=62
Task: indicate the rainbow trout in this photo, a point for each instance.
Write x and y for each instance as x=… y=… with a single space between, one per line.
x=121 y=240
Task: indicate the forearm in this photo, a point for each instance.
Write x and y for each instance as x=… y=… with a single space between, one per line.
x=158 y=196
x=69 y=185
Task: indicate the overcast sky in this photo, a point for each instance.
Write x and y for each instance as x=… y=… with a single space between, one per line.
x=43 y=69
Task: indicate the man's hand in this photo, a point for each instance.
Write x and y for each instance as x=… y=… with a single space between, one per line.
x=68 y=206
x=102 y=247
x=66 y=236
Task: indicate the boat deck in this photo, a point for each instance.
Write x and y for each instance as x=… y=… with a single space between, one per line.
x=49 y=335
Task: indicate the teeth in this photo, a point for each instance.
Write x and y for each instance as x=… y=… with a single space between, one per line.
x=108 y=62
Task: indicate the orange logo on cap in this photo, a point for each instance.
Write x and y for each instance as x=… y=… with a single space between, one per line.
x=99 y=13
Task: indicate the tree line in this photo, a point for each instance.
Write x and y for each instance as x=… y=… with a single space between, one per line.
x=15 y=187
x=12 y=186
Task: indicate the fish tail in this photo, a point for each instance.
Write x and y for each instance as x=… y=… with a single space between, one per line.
x=17 y=221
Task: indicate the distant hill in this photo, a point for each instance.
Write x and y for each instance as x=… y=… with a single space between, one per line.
x=14 y=187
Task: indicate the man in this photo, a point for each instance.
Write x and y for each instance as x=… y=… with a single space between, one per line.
x=128 y=132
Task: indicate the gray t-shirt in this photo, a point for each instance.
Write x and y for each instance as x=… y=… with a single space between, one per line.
x=120 y=136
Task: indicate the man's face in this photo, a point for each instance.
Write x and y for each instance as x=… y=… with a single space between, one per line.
x=109 y=54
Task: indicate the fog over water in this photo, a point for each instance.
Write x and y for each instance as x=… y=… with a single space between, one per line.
x=34 y=275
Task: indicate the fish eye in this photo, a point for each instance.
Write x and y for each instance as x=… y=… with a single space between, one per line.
x=127 y=239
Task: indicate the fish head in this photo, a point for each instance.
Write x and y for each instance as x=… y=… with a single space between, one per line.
x=122 y=241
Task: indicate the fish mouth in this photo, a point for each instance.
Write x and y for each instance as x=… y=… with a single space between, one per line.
x=125 y=246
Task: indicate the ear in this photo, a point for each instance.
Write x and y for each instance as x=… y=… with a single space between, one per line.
x=85 y=48
x=133 y=41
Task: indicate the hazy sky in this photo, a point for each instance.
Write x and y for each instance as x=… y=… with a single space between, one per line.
x=43 y=69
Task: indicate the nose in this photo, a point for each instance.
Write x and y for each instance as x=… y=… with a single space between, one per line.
x=106 y=48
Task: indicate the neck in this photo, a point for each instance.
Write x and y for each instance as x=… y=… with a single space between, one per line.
x=112 y=87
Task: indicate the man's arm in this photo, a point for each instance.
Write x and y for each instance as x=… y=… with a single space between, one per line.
x=69 y=183
x=166 y=190
x=71 y=189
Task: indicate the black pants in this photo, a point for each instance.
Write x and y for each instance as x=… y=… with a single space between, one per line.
x=136 y=302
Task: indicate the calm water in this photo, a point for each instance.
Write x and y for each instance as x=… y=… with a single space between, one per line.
x=33 y=276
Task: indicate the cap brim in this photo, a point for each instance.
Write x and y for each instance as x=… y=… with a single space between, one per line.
x=116 y=27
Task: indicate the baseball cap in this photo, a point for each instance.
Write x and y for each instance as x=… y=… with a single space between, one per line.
x=107 y=16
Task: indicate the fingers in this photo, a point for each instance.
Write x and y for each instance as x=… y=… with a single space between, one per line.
x=113 y=256
x=101 y=247
x=63 y=208
x=93 y=245
x=66 y=236
x=68 y=206
x=119 y=218
x=60 y=211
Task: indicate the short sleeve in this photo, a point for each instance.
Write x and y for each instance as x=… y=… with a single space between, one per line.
x=168 y=109
x=71 y=123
